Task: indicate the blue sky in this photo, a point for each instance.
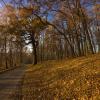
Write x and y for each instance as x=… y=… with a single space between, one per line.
x=0 y=5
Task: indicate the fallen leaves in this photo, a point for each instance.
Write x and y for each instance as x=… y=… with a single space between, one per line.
x=73 y=79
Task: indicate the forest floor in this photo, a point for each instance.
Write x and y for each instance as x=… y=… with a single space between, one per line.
x=74 y=79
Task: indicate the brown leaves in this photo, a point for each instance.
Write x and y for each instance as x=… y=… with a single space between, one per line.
x=96 y=10
x=70 y=79
x=9 y=11
x=25 y=12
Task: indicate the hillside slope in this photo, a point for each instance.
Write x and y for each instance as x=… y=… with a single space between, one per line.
x=74 y=79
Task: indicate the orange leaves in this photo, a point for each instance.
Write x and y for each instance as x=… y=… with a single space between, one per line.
x=9 y=11
x=24 y=12
x=63 y=79
x=37 y=24
x=96 y=10
x=70 y=23
x=7 y=15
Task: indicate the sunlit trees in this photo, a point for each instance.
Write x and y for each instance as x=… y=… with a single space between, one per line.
x=10 y=47
x=73 y=23
x=30 y=30
x=74 y=32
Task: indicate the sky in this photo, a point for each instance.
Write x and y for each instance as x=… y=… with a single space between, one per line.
x=2 y=4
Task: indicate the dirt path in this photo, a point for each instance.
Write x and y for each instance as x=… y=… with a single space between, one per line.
x=10 y=82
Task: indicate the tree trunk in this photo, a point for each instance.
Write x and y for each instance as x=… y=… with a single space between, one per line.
x=6 y=53
x=35 y=55
x=34 y=49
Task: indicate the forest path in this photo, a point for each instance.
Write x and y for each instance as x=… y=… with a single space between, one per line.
x=10 y=83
